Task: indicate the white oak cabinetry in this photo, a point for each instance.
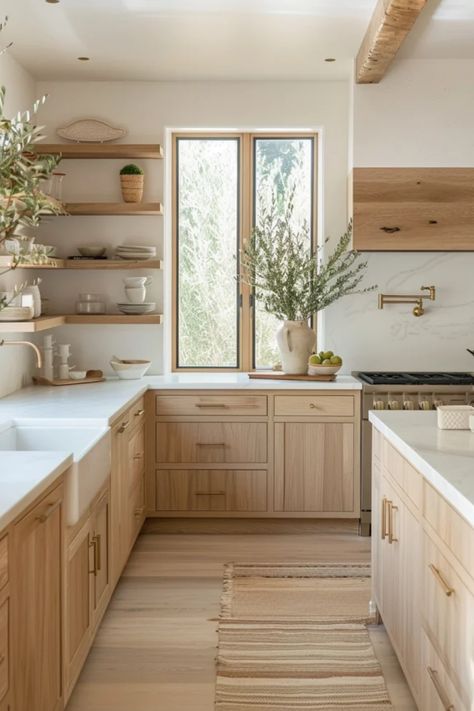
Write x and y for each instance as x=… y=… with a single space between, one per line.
x=5 y=635
x=87 y=584
x=36 y=594
x=264 y=454
x=423 y=585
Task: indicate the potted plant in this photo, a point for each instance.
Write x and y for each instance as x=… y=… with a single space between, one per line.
x=293 y=283
x=131 y=182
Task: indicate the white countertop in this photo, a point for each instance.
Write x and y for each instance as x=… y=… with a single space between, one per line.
x=104 y=401
x=24 y=476
x=444 y=457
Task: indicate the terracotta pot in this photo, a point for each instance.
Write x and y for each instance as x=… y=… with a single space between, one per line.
x=295 y=341
x=132 y=187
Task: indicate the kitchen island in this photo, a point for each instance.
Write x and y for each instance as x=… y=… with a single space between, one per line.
x=423 y=553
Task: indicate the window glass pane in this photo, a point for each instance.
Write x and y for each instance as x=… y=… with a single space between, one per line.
x=208 y=228
x=283 y=170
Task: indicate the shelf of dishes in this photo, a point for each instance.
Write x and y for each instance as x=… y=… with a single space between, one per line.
x=102 y=150
x=53 y=263
x=43 y=323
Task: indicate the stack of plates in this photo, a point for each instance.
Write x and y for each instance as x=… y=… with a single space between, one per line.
x=137 y=308
x=135 y=251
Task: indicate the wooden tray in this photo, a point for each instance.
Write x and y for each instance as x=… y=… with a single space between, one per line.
x=69 y=381
x=278 y=375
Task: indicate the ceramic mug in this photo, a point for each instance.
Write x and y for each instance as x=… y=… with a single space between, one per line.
x=132 y=282
x=136 y=294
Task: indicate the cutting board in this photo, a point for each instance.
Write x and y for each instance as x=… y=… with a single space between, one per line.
x=277 y=375
x=69 y=381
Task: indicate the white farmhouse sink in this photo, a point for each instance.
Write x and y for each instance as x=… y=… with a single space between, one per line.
x=91 y=449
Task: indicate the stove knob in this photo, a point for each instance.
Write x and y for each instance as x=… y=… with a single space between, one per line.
x=408 y=405
x=425 y=405
x=393 y=405
x=379 y=405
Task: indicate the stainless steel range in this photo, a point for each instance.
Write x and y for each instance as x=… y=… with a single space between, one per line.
x=403 y=391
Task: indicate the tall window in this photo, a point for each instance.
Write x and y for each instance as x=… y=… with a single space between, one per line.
x=223 y=184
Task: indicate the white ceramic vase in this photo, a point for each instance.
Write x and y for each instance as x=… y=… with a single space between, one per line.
x=295 y=340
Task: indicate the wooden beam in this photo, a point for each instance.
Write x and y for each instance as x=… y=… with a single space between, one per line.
x=390 y=24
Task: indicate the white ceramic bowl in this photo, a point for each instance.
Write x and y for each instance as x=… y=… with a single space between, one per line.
x=92 y=250
x=130 y=371
x=323 y=369
x=77 y=374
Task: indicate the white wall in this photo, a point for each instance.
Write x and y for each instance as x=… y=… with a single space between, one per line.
x=421 y=114
x=15 y=362
x=147 y=110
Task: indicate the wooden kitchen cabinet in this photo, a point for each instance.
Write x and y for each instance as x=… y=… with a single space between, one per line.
x=5 y=606
x=413 y=209
x=36 y=606
x=87 y=584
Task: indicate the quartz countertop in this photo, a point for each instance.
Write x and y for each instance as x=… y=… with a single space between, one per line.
x=444 y=457
x=102 y=402
x=24 y=476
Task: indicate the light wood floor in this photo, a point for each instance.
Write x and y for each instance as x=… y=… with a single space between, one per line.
x=156 y=646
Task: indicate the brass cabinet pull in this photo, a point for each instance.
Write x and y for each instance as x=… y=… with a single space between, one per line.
x=138 y=456
x=209 y=493
x=48 y=511
x=139 y=413
x=448 y=590
x=443 y=697
x=93 y=544
x=313 y=406
x=210 y=444
x=98 y=551
x=383 y=523
x=212 y=404
x=2 y=658
x=124 y=426
x=391 y=509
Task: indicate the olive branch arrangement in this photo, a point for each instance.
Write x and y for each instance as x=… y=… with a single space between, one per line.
x=290 y=280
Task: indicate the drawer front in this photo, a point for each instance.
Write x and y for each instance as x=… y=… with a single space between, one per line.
x=407 y=478
x=211 y=442
x=438 y=692
x=3 y=561
x=136 y=456
x=4 y=649
x=314 y=405
x=211 y=490
x=448 y=611
x=136 y=413
x=450 y=527
x=211 y=405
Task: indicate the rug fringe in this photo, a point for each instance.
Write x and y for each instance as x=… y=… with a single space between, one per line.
x=227 y=591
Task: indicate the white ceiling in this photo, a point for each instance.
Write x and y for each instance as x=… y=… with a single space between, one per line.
x=215 y=39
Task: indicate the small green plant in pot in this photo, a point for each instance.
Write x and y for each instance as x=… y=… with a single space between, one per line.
x=131 y=182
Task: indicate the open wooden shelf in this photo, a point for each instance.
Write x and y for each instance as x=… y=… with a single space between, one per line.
x=102 y=150
x=118 y=319
x=113 y=208
x=43 y=323
x=114 y=264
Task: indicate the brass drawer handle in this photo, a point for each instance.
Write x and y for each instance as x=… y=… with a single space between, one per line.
x=139 y=413
x=313 y=406
x=391 y=509
x=443 y=697
x=93 y=544
x=49 y=511
x=212 y=404
x=210 y=493
x=124 y=426
x=211 y=444
x=98 y=551
x=383 y=523
x=448 y=590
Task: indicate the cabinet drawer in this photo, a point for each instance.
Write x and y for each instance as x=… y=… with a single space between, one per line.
x=4 y=649
x=211 y=405
x=206 y=442
x=437 y=689
x=447 y=608
x=314 y=405
x=3 y=561
x=211 y=490
x=456 y=533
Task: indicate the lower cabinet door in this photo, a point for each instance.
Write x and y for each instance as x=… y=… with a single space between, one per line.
x=314 y=467
x=438 y=692
x=36 y=607
x=4 y=648
x=210 y=490
x=101 y=567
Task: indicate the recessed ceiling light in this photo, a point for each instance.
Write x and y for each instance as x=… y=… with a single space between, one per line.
x=83 y=59
x=330 y=59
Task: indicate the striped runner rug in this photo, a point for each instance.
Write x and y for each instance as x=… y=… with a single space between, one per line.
x=295 y=637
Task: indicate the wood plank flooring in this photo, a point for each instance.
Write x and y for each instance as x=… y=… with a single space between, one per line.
x=156 y=646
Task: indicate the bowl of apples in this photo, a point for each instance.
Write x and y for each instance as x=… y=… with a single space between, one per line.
x=324 y=363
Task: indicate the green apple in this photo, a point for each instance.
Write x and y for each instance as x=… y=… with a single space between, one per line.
x=321 y=355
x=314 y=359
x=328 y=355
x=326 y=361
x=336 y=360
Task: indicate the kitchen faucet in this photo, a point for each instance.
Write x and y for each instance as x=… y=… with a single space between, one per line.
x=25 y=343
